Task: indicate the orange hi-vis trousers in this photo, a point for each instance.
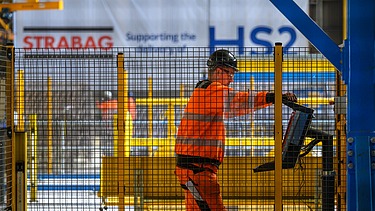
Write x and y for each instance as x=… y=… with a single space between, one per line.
x=202 y=190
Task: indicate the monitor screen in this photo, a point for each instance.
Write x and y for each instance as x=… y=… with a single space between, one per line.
x=295 y=134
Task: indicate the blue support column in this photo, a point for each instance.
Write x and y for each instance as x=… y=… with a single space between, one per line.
x=361 y=105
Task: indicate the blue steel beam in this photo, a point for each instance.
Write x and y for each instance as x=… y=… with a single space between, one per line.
x=310 y=30
x=360 y=54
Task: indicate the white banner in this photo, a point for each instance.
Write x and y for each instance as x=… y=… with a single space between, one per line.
x=157 y=23
x=255 y=23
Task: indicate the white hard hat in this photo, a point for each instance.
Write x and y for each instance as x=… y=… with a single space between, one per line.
x=108 y=95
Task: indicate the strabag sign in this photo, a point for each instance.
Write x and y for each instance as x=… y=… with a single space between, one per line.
x=79 y=25
x=150 y=24
x=104 y=42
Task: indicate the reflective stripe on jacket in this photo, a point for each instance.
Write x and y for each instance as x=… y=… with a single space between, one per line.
x=202 y=132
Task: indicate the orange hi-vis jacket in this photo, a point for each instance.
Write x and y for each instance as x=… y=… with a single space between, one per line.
x=109 y=108
x=201 y=133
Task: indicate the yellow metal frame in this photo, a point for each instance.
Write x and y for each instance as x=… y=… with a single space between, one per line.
x=34 y=158
x=115 y=136
x=278 y=128
x=34 y=5
x=20 y=143
x=20 y=99
x=28 y=5
x=160 y=184
x=123 y=127
x=183 y=101
x=49 y=125
x=287 y=65
x=149 y=107
x=21 y=176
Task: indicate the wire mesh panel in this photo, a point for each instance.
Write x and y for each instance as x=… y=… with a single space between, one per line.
x=6 y=115
x=106 y=128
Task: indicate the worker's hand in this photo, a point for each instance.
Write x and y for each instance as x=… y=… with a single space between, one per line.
x=270 y=97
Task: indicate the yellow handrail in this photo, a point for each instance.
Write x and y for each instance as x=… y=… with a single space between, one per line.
x=288 y=65
x=183 y=101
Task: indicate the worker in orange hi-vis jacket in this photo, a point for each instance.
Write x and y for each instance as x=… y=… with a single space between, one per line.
x=200 y=138
x=108 y=106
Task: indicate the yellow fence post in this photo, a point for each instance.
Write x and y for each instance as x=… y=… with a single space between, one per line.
x=49 y=124
x=121 y=111
x=33 y=162
x=115 y=136
x=252 y=88
x=278 y=127
x=171 y=129
x=20 y=99
x=128 y=132
x=182 y=90
x=150 y=109
x=20 y=146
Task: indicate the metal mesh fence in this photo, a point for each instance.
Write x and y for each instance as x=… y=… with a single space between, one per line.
x=77 y=157
x=6 y=159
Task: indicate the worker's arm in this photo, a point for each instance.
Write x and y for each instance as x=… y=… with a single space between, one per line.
x=242 y=103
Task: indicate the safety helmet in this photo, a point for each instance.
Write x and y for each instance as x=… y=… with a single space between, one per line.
x=222 y=57
x=107 y=95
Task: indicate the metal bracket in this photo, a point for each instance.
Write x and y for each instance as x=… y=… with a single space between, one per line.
x=328 y=173
x=9 y=132
x=9 y=54
x=20 y=173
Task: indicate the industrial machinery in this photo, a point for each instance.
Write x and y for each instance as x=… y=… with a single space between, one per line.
x=293 y=143
x=294 y=138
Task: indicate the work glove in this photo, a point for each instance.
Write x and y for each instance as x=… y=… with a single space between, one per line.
x=270 y=97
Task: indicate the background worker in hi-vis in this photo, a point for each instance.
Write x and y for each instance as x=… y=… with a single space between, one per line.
x=201 y=135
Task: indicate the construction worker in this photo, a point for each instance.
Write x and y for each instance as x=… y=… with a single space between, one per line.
x=200 y=138
x=108 y=106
